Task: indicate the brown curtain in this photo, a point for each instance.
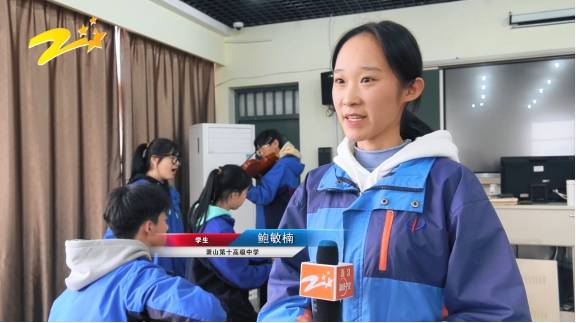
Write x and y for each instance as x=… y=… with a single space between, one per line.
x=164 y=92
x=60 y=154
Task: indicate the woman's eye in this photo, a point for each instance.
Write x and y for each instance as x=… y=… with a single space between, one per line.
x=338 y=81
x=366 y=80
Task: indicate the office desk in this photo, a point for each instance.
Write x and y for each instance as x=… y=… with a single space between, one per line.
x=540 y=225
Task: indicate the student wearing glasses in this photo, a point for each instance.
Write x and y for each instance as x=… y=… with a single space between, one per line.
x=156 y=163
x=276 y=186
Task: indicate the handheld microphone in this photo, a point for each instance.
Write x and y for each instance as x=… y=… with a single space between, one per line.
x=327 y=282
x=327 y=311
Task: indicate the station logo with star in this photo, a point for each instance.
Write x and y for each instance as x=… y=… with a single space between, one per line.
x=90 y=37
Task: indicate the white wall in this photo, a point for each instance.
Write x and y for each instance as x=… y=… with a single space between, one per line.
x=159 y=20
x=448 y=33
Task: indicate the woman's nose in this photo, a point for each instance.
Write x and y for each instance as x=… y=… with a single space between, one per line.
x=350 y=96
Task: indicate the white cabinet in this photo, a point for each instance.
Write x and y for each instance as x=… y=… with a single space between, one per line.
x=213 y=145
x=540 y=225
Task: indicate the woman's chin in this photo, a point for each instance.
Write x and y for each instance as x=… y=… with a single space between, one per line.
x=169 y=177
x=355 y=136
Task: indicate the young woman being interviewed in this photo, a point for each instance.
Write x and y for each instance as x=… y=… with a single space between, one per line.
x=425 y=241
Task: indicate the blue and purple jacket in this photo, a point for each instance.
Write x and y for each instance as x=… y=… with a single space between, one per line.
x=113 y=280
x=276 y=187
x=241 y=273
x=229 y=279
x=423 y=238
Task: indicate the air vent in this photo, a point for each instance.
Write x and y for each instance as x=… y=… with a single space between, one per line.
x=551 y=17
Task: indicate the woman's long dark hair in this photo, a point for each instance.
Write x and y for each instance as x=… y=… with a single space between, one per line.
x=221 y=182
x=160 y=147
x=403 y=56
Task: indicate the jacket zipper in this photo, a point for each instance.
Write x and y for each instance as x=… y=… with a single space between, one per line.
x=395 y=188
x=385 y=240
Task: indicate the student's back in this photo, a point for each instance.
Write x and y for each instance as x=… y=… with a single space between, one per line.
x=229 y=279
x=114 y=280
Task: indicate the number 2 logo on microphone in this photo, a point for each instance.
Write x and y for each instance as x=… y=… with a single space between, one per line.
x=327 y=282
x=312 y=280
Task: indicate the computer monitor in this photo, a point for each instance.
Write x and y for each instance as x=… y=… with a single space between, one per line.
x=535 y=178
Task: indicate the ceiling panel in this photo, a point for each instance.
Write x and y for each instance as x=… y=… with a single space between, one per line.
x=264 y=12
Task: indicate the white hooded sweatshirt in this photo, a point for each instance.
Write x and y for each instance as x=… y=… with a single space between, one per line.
x=91 y=259
x=435 y=144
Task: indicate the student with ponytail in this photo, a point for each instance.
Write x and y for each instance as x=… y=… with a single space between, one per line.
x=227 y=278
x=157 y=163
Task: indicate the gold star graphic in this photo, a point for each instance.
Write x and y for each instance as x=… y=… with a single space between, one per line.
x=96 y=42
x=93 y=20
x=82 y=31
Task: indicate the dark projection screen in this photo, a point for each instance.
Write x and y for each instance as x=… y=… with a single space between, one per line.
x=511 y=109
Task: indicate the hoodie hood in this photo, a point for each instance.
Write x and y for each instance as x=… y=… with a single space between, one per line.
x=289 y=149
x=436 y=144
x=293 y=165
x=89 y=260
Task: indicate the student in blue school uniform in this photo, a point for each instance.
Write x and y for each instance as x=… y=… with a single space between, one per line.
x=276 y=186
x=115 y=279
x=425 y=241
x=229 y=279
x=156 y=163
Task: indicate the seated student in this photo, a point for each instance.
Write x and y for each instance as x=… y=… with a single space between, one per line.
x=114 y=279
x=156 y=163
x=228 y=278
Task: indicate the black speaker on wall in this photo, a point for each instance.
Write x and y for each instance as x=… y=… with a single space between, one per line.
x=326 y=80
x=324 y=155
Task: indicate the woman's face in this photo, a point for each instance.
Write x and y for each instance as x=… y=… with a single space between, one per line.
x=269 y=149
x=368 y=97
x=165 y=168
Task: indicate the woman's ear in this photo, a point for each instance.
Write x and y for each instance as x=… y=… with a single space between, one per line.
x=414 y=90
x=154 y=160
x=233 y=195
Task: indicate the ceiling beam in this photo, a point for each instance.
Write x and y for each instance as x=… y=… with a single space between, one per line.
x=195 y=15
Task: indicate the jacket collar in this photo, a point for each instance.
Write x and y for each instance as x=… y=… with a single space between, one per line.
x=335 y=178
x=149 y=179
x=215 y=212
x=408 y=176
x=435 y=144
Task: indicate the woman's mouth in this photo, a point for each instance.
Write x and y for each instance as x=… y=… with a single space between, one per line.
x=354 y=119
